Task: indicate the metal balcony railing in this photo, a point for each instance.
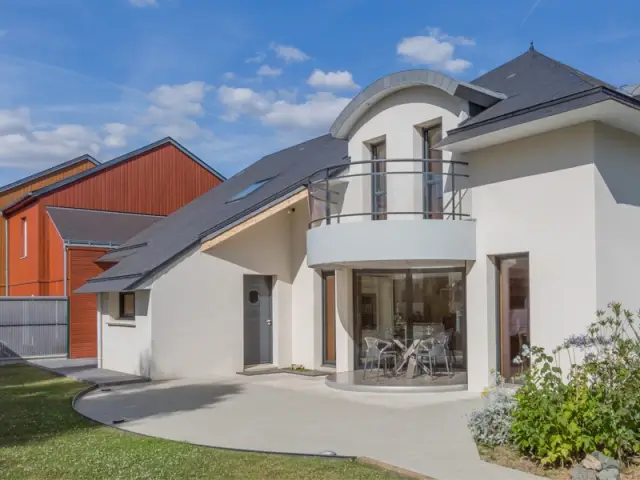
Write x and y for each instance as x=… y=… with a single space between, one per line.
x=388 y=189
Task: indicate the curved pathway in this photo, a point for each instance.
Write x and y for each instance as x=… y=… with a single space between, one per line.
x=425 y=433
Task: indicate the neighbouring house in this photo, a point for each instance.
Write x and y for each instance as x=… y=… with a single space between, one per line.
x=504 y=211
x=57 y=233
x=11 y=192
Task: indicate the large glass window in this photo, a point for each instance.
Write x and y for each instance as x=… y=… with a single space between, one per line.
x=432 y=185
x=379 y=181
x=514 y=333
x=410 y=304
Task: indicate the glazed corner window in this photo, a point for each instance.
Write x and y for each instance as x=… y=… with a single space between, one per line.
x=23 y=220
x=128 y=305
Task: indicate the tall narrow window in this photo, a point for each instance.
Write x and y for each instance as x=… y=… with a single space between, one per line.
x=514 y=331
x=379 y=181
x=432 y=185
x=24 y=236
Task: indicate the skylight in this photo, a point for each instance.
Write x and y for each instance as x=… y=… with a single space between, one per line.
x=245 y=192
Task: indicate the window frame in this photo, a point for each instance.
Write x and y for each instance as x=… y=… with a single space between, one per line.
x=431 y=177
x=121 y=299
x=378 y=179
x=24 y=232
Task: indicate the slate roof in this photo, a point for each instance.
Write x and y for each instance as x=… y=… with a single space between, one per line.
x=103 y=166
x=212 y=212
x=97 y=227
x=49 y=171
x=536 y=86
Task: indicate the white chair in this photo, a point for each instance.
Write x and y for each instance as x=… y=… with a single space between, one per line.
x=378 y=350
x=436 y=347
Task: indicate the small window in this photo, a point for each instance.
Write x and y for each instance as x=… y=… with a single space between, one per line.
x=24 y=237
x=246 y=191
x=254 y=297
x=128 y=305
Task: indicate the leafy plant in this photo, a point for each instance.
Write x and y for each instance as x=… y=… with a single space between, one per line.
x=491 y=424
x=558 y=419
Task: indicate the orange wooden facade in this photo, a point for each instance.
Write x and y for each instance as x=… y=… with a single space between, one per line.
x=83 y=336
x=159 y=182
x=13 y=194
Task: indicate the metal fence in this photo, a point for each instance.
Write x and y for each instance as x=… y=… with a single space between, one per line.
x=33 y=327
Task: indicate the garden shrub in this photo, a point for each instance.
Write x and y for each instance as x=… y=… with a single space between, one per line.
x=491 y=424
x=559 y=420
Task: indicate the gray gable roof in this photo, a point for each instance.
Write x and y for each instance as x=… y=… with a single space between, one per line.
x=97 y=227
x=48 y=171
x=212 y=212
x=536 y=86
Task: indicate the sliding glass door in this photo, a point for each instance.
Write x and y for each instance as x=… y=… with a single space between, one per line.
x=406 y=304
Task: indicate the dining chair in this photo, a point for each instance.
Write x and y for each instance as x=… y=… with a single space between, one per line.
x=378 y=350
x=437 y=347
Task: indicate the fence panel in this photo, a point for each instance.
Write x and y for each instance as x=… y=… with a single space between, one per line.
x=33 y=327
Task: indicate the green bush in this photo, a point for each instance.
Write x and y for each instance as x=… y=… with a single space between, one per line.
x=559 y=420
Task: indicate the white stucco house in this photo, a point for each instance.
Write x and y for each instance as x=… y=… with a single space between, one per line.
x=506 y=210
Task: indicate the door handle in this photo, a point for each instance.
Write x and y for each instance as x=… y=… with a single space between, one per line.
x=269 y=322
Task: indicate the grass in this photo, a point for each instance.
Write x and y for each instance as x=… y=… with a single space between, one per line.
x=508 y=457
x=43 y=438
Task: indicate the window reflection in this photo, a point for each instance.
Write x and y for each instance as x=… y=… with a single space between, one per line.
x=409 y=305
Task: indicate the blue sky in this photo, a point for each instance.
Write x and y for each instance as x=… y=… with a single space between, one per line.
x=233 y=81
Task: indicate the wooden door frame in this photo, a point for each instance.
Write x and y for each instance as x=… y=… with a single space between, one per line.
x=324 y=316
x=500 y=316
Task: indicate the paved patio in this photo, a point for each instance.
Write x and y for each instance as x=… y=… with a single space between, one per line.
x=86 y=370
x=425 y=433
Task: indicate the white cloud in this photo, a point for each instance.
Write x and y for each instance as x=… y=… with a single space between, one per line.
x=243 y=101
x=144 y=3
x=333 y=80
x=289 y=53
x=440 y=35
x=20 y=141
x=258 y=58
x=185 y=99
x=267 y=71
x=317 y=111
x=117 y=134
x=15 y=121
x=173 y=108
x=436 y=50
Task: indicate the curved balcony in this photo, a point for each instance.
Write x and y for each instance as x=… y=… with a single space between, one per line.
x=390 y=214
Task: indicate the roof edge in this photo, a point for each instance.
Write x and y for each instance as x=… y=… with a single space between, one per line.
x=48 y=171
x=394 y=82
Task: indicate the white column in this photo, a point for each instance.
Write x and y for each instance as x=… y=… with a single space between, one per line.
x=481 y=323
x=344 y=320
x=99 y=326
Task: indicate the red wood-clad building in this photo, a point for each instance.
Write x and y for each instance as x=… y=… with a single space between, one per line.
x=56 y=234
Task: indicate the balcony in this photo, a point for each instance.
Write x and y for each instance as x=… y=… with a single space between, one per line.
x=390 y=214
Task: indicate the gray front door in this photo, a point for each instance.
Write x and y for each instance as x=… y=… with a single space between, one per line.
x=258 y=320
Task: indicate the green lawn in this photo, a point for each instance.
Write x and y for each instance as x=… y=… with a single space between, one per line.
x=42 y=437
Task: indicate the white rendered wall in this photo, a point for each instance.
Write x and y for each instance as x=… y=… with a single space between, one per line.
x=198 y=303
x=398 y=119
x=125 y=345
x=617 y=216
x=535 y=196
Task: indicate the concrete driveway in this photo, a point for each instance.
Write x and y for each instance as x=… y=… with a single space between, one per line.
x=425 y=433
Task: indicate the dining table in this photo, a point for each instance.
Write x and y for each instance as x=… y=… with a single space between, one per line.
x=408 y=351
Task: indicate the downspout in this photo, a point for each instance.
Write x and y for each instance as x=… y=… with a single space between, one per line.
x=6 y=256
x=64 y=287
x=64 y=267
